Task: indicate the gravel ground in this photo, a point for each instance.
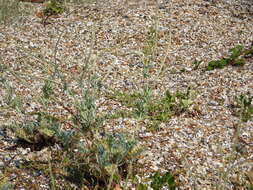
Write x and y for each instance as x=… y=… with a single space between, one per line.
x=207 y=148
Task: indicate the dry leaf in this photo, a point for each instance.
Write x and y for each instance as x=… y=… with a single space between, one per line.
x=40 y=14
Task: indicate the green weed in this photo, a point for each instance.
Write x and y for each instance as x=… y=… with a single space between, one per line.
x=237 y=57
x=159 y=181
x=104 y=162
x=218 y=64
x=54 y=7
x=146 y=106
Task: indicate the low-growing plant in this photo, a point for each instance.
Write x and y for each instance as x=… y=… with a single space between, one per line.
x=159 y=181
x=88 y=156
x=93 y=159
x=144 y=105
x=237 y=57
x=53 y=7
x=39 y=133
x=103 y=163
x=217 y=64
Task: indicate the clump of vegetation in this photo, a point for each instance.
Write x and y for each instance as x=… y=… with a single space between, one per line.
x=159 y=181
x=89 y=157
x=53 y=7
x=144 y=105
x=237 y=57
x=103 y=163
x=39 y=133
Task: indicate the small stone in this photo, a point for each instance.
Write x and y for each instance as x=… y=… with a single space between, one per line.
x=213 y=103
